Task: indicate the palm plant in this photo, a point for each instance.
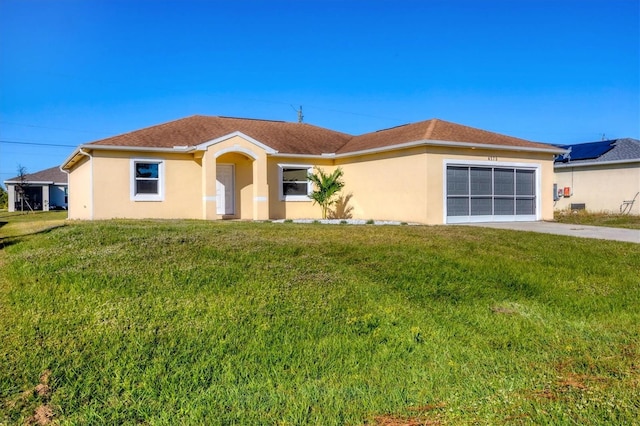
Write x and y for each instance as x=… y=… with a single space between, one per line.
x=326 y=186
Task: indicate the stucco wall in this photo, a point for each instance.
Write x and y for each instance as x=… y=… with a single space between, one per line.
x=279 y=209
x=112 y=180
x=80 y=202
x=409 y=185
x=601 y=188
x=387 y=186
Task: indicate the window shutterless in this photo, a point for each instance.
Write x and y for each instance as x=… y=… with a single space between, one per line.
x=147 y=180
x=294 y=182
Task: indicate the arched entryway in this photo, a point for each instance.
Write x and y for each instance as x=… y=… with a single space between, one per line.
x=234 y=186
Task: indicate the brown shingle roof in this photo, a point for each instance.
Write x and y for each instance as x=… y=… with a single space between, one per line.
x=435 y=130
x=291 y=138
x=305 y=139
x=54 y=174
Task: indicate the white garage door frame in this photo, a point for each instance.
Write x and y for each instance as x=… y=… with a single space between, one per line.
x=493 y=218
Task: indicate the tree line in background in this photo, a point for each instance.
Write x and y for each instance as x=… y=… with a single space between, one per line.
x=4 y=199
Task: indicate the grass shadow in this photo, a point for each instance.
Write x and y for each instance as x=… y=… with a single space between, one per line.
x=14 y=239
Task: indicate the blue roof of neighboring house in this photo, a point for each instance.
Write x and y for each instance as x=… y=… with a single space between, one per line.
x=598 y=152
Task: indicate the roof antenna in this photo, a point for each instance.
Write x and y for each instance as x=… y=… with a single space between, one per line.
x=603 y=138
x=299 y=111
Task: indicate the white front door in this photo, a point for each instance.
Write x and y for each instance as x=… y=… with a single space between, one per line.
x=225 y=199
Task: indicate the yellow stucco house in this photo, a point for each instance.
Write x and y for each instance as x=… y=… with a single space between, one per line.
x=202 y=167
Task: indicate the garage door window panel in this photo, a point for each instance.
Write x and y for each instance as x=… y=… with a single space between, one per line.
x=476 y=191
x=458 y=181
x=458 y=206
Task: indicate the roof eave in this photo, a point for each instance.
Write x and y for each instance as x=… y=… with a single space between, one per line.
x=274 y=153
x=552 y=149
x=174 y=149
x=595 y=163
x=425 y=142
x=36 y=182
x=69 y=158
x=83 y=149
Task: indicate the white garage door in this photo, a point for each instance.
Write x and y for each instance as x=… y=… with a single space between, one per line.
x=480 y=193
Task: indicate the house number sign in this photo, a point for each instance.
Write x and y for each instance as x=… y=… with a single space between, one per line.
x=492 y=158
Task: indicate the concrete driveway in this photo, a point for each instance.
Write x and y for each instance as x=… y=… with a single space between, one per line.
x=582 y=231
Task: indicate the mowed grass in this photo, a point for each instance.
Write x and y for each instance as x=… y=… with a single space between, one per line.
x=189 y=322
x=582 y=217
x=13 y=224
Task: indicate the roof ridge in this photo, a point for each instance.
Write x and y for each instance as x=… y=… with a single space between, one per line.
x=252 y=119
x=432 y=125
x=390 y=128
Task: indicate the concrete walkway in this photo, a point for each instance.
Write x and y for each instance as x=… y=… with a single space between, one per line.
x=582 y=231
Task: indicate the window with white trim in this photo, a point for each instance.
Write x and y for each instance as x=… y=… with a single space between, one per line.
x=147 y=180
x=294 y=182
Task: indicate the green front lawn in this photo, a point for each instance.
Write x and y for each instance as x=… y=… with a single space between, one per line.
x=190 y=322
x=16 y=224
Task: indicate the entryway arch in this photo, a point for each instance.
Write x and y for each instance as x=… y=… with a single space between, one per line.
x=234 y=184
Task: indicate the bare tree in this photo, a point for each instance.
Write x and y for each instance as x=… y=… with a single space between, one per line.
x=21 y=187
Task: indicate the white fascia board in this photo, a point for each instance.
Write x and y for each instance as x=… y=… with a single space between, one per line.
x=136 y=148
x=83 y=149
x=36 y=182
x=309 y=156
x=595 y=163
x=427 y=142
x=551 y=149
x=203 y=146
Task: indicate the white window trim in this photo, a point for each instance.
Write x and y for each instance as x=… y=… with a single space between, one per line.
x=284 y=197
x=496 y=218
x=132 y=180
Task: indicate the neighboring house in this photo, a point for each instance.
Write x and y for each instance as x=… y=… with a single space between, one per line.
x=44 y=190
x=599 y=177
x=202 y=167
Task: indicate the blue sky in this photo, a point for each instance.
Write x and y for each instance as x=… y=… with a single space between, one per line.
x=74 y=71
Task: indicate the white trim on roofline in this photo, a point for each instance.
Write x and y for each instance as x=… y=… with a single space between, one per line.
x=175 y=149
x=595 y=163
x=36 y=182
x=424 y=142
x=203 y=146
x=272 y=152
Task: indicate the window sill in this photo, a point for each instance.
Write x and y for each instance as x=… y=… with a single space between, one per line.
x=296 y=198
x=147 y=199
